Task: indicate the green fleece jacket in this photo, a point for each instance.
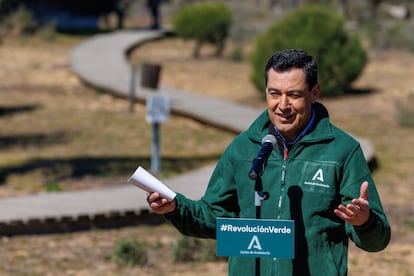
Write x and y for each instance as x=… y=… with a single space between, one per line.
x=324 y=168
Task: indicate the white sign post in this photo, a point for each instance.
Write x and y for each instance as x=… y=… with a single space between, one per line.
x=158 y=110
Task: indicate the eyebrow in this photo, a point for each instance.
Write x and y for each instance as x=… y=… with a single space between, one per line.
x=289 y=91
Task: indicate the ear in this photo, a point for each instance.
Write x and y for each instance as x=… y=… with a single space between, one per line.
x=316 y=92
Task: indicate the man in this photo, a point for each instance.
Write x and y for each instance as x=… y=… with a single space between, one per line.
x=317 y=177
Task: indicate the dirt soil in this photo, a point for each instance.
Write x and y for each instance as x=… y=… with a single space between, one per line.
x=369 y=115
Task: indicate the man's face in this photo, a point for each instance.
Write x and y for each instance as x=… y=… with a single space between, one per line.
x=289 y=101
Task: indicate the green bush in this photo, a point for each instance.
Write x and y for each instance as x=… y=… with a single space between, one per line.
x=53 y=186
x=405 y=111
x=398 y=35
x=130 y=252
x=320 y=32
x=19 y=23
x=189 y=249
x=205 y=23
x=409 y=223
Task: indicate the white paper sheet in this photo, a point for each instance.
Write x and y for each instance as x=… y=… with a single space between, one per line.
x=146 y=181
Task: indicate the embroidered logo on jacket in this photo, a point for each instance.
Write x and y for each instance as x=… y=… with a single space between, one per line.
x=317 y=180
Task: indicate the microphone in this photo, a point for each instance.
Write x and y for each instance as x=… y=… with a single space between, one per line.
x=259 y=163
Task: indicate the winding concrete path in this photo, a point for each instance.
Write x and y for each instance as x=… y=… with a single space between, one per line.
x=102 y=62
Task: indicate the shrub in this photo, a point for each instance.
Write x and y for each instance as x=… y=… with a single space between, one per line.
x=405 y=111
x=130 y=252
x=189 y=249
x=409 y=223
x=320 y=32
x=205 y=23
x=398 y=35
x=19 y=23
x=53 y=186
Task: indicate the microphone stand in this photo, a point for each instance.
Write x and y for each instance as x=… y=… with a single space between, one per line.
x=259 y=196
x=258 y=166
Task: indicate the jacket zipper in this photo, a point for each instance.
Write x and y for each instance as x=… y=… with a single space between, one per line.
x=282 y=188
x=283 y=178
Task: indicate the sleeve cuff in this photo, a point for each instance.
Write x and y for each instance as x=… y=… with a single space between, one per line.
x=368 y=224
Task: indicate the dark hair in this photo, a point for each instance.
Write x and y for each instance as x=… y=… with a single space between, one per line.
x=293 y=58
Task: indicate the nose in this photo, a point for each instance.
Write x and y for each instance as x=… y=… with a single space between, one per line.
x=284 y=104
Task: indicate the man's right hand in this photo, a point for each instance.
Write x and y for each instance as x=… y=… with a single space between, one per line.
x=160 y=205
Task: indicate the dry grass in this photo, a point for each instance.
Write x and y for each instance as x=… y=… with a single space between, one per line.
x=79 y=121
x=49 y=116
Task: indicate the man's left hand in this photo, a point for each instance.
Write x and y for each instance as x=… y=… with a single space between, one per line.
x=357 y=212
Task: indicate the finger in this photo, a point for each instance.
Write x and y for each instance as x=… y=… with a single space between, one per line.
x=150 y=197
x=163 y=206
x=364 y=191
x=344 y=212
x=342 y=215
x=361 y=204
x=153 y=197
x=345 y=209
x=353 y=209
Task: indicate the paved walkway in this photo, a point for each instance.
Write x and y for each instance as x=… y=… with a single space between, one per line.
x=103 y=63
